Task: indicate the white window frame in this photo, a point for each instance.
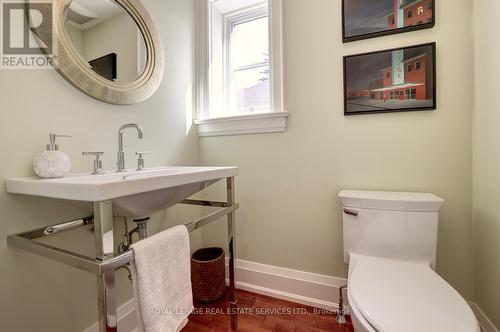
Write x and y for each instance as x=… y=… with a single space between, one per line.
x=268 y=122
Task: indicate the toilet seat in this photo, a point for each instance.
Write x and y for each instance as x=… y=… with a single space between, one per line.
x=395 y=296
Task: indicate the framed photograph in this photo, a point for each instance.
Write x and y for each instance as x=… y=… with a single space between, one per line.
x=396 y=80
x=362 y=19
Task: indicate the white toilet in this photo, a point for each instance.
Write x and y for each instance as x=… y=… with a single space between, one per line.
x=390 y=244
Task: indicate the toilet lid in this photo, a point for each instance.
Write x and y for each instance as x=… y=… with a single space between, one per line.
x=396 y=296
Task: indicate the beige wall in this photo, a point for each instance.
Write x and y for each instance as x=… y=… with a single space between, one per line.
x=37 y=294
x=101 y=40
x=487 y=159
x=288 y=182
x=76 y=38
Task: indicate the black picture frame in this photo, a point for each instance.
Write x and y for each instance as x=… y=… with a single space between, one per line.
x=377 y=97
x=389 y=31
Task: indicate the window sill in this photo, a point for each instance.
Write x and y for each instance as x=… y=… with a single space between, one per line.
x=243 y=124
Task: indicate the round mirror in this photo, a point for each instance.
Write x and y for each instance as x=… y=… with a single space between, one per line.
x=107 y=38
x=109 y=49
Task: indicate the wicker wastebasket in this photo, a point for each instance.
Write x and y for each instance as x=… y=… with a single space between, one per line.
x=208 y=274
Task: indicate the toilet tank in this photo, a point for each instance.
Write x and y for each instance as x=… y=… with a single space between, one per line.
x=394 y=225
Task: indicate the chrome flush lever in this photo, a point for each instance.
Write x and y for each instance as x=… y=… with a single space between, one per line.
x=350 y=212
x=97 y=162
x=140 y=159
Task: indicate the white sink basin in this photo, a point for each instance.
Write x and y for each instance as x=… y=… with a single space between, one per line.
x=133 y=193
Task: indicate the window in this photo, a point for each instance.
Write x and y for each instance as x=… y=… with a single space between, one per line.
x=417 y=65
x=239 y=67
x=393 y=20
x=413 y=93
x=420 y=10
x=388 y=75
x=410 y=14
x=247 y=57
x=407 y=94
x=429 y=6
x=410 y=67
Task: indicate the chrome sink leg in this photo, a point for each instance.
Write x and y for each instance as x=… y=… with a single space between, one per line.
x=106 y=302
x=231 y=223
x=103 y=230
x=104 y=246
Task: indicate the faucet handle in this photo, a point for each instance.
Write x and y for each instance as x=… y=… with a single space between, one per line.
x=140 y=159
x=97 y=161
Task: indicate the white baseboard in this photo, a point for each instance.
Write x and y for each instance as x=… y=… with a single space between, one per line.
x=127 y=321
x=485 y=323
x=311 y=289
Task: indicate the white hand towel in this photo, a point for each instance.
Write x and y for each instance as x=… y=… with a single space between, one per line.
x=161 y=277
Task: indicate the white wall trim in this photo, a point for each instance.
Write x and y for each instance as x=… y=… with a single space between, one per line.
x=202 y=63
x=127 y=321
x=276 y=55
x=243 y=124
x=306 y=288
x=485 y=323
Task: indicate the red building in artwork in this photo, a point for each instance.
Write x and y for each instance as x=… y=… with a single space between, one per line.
x=415 y=12
x=417 y=84
x=358 y=93
x=391 y=20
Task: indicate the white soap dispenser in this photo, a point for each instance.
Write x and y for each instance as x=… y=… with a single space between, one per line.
x=52 y=163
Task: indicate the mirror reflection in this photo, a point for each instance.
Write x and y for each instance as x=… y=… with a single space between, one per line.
x=106 y=37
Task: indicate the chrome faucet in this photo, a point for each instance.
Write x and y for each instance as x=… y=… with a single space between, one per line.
x=121 y=154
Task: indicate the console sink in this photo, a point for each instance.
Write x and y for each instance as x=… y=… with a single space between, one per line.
x=133 y=193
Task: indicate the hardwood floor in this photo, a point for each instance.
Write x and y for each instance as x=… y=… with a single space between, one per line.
x=262 y=313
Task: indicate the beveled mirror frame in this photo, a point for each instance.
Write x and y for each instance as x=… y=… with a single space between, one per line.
x=72 y=67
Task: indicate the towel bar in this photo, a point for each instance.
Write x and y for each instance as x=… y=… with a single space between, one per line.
x=26 y=241
x=105 y=265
